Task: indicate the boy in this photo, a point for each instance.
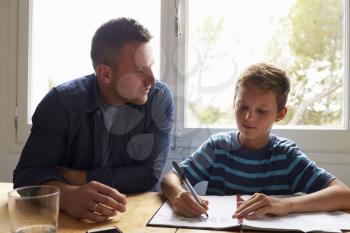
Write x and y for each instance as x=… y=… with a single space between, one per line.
x=253 y=161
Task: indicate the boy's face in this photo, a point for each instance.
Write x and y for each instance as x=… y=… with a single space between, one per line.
x=255 y=112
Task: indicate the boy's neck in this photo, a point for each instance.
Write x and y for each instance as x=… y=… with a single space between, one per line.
x=253 y=144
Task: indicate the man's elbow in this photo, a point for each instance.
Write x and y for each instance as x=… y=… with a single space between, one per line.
x=153 y=181
x=20 y=179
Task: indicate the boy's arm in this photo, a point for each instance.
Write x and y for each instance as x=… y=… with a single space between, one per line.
x=334 y=197
x=182 y=201
x=171 y=186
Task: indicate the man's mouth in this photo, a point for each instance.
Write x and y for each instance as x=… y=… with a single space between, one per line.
x=145 y=91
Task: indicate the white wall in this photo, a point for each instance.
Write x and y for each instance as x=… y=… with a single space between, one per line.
x=338 y=164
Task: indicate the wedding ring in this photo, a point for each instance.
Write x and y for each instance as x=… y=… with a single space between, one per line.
x=95 y=207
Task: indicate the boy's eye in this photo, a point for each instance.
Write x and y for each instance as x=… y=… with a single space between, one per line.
x=243 y=108
x=260 y=111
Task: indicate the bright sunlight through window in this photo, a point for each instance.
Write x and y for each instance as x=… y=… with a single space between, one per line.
x=61 y=37
x=304 y=37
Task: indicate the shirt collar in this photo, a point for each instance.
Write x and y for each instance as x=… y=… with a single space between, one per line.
x=93 y=98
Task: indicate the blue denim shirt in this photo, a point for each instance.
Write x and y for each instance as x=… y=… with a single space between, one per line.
x=68 y=131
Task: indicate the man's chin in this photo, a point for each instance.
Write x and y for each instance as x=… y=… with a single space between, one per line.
x=140 y=101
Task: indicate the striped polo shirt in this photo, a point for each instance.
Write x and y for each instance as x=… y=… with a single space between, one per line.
x=278 y=168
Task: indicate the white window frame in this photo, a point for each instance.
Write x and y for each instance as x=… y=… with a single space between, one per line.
x=310 y=140
x=173 y=43
x=18 y=129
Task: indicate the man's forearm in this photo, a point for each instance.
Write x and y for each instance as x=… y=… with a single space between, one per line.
x=74 y=177
x=64 y=190
x=132 y=179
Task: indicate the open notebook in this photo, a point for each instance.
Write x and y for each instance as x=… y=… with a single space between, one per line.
x=221 y=209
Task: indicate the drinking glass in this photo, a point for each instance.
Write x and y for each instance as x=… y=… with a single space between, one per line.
x=34 y=209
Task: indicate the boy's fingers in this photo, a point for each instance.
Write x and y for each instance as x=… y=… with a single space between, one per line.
x=258 y=213
x=193 y=204
x=206 y=202
x=186 y=211
x=247 y=209
x=187 y=205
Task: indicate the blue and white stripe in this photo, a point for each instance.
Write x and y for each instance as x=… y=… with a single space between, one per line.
x=279 y=168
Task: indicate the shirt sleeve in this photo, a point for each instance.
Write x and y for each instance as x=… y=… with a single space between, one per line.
x=304 y=175
x=198 y=165
x=150 y=150
x=45 y=146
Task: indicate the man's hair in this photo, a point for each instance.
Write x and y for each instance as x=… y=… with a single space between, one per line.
x=266 y=77
x=112 y=35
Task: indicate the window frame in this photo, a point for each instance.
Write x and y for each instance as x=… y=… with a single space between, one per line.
x=174 y=31
x=333 y=140
x=19 y=24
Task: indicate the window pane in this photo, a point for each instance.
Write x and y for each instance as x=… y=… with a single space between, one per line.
x=304 y=37
x=61 y=37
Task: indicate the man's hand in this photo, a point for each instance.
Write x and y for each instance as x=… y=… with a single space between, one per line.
x=93 y=201
x=185 y=205
x=260 y=205
x=74 y=177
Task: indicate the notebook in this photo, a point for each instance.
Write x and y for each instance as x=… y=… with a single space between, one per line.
x=221 y=209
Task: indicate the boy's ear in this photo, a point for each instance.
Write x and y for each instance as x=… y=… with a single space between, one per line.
x=104 y=73
x=281 y=114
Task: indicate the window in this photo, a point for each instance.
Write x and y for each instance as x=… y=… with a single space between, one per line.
x=63 y=43
x=56 y=37
x=201 y=47
x=305 y=38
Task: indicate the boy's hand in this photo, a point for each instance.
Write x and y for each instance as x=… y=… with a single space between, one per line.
x=260 y=205
x=184 y=204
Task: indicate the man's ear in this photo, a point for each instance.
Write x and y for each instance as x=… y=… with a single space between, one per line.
x=281 y=114
x=104 y=73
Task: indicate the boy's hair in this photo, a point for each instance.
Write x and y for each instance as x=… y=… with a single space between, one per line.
x=112 y=35
x=266 y=77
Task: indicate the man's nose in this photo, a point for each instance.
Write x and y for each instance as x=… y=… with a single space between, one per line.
x=149 y=77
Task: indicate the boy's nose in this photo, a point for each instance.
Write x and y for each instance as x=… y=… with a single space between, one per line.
x=248 y=115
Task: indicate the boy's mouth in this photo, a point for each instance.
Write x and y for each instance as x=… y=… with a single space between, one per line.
x=249 y=127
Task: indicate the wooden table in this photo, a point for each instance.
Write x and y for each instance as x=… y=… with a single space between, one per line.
x=140 y=209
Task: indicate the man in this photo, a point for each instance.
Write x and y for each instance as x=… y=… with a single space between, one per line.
x=104 y=134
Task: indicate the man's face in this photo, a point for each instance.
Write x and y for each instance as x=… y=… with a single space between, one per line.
x=255 y=112
x=134 y=77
